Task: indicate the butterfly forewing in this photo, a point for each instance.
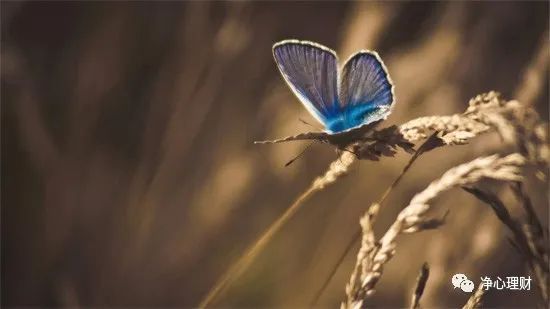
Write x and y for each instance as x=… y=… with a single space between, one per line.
x=310 y=70
x=366 y=91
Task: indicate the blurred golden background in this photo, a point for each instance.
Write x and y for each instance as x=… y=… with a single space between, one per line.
x=130 y=177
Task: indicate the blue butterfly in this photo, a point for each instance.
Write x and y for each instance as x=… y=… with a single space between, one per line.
x=347 y=103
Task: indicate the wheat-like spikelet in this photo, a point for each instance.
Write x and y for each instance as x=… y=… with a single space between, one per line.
x=537 y=243
x=420 y=128
x=485 y=112
x=421 y=281
x=336 y=170
x=442 y=130
x=516 y=123
x=463 y=126
x=529 y=238
x=374 y=255
x=373 y=210
x=530 y=134
x=474 y=301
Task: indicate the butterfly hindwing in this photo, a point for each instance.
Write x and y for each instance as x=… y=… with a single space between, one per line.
x=310 y=70
x=366 y=90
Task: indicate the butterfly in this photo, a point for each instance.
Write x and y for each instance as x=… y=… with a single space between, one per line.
x=348 y=103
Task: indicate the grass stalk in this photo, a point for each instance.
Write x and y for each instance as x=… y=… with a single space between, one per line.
x=337 y=169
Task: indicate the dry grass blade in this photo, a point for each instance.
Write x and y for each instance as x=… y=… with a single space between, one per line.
x=431 y=143
x=516 y=123
x=336 y=170
x=484 y=112
x=533 y=78
x=420 y=127
x=373 y=212
x=457 y=128
x=519 y=240
x=373 y=255
x=438 y=131
x=533 y=222
x=474 y=301
x=497 y=206
x=421 y=281
x=528 y=239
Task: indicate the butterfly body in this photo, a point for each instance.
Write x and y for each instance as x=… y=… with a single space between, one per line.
x=344 y=138
x=350 y=118
x=349 y=102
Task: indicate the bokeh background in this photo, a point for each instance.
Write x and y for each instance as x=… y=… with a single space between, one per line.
x=130 y=177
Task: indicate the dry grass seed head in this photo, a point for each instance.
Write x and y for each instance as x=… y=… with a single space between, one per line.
x=370 y=260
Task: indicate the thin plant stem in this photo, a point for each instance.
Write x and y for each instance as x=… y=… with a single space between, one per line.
x=373 y=211
x=421 y=281
x=355 y=238
x=336 y=170
x=250 y=254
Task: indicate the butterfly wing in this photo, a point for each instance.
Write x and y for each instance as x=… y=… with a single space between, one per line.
x=366 y=90
x=310 y=70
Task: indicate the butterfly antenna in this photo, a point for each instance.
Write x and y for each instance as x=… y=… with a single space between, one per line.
x=340 y=151
x=352 y=152
x=299 y=155
x=309 y=124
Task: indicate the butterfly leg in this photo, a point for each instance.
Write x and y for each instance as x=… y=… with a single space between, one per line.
x=339 y=151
